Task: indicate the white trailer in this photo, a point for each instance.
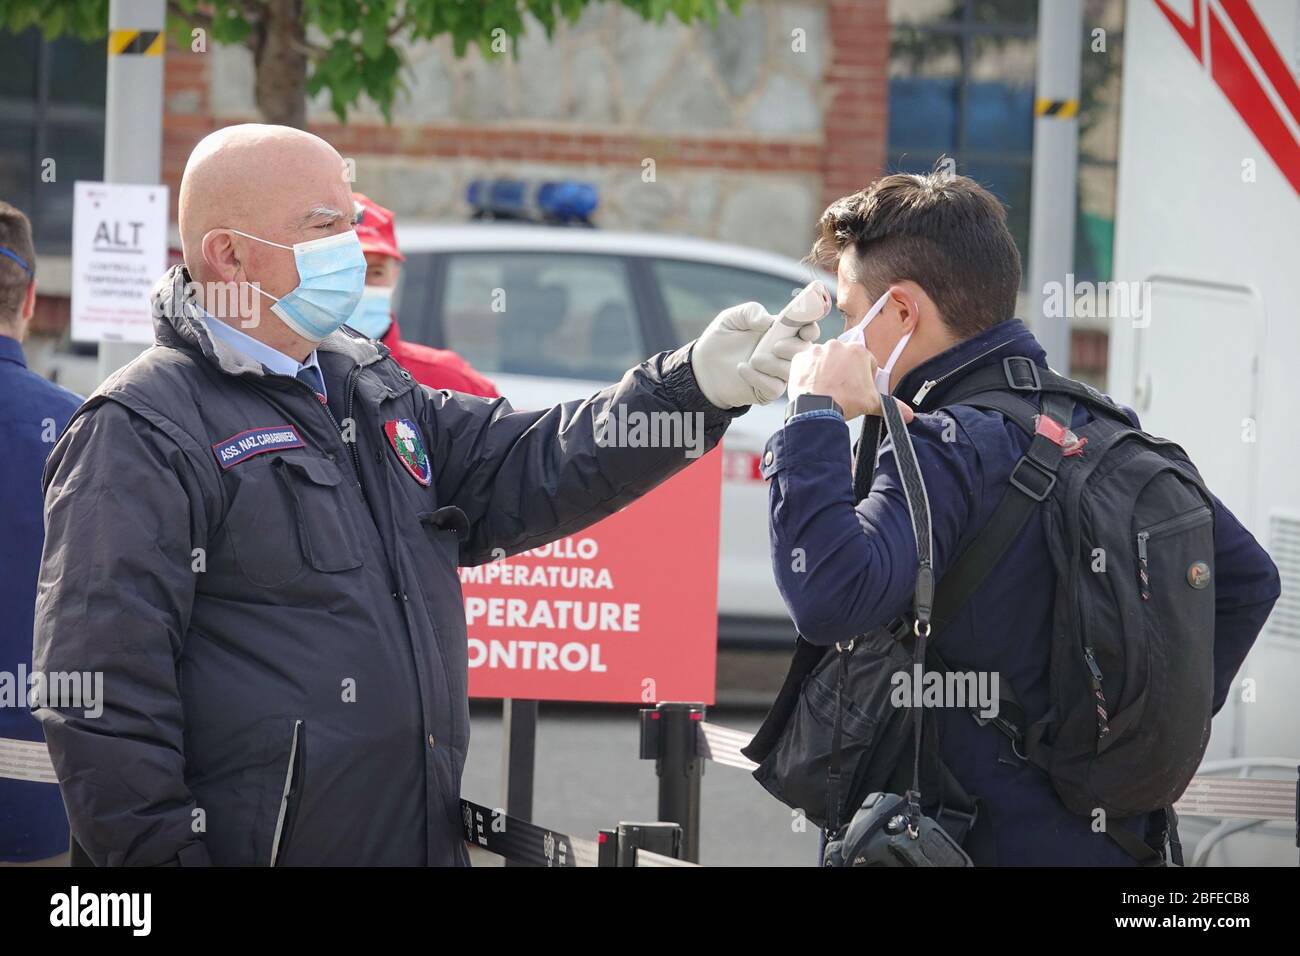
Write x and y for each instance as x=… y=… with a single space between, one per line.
x=1208 y=221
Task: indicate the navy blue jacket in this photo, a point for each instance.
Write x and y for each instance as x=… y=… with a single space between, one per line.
x=32 y=414
x=859 y=564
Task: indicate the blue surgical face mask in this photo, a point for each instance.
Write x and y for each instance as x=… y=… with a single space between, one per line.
x=374 y=312
x=858 y=336
x=331 y=278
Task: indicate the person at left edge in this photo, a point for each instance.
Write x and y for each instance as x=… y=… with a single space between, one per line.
x=33 y=826
x=373 y=318
x=254 y=529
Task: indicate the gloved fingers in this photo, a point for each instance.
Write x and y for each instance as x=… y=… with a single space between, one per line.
x=747 y=317
x=810 y=332
x=766 y=388
x=773 y=361
x=787 y=349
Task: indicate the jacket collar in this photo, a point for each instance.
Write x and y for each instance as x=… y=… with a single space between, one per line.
x=11 y=350
x=925 y=386
x=178 y=323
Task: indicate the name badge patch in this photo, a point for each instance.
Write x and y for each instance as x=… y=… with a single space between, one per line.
x=406 y=441
x=255 y=441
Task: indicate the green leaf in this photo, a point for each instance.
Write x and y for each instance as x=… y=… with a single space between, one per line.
x=374 y=37
x=359 y=58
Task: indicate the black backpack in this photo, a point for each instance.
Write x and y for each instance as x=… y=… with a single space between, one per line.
x=1130 y=530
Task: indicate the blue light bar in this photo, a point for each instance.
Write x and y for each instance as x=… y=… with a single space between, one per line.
x=555 y=201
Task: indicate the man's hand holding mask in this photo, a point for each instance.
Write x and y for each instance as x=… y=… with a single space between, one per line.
x=846 y=373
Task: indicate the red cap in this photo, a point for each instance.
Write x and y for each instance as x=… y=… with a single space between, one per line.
x=375 y=228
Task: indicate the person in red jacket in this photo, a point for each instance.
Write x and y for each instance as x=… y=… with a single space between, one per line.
x=437 y=368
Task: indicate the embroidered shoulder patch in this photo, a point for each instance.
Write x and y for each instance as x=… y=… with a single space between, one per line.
x=405 y=438
x=249 y=444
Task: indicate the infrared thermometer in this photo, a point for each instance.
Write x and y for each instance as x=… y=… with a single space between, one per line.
x=811 y=305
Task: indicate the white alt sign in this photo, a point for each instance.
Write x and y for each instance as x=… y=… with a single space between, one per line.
x=119 y=250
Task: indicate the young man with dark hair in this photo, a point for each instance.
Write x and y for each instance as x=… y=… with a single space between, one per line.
x=928 y=262
x=33 y=826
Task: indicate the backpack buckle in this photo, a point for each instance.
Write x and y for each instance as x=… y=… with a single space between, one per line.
x=1036 y=481
x=1022 y=374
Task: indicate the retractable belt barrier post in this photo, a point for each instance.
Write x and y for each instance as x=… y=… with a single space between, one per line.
x=522 y=843
x=670 y=737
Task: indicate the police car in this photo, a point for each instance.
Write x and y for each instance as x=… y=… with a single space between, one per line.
x=553 y=314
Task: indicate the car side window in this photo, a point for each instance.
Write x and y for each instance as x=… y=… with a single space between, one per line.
x=411 y=299
x=544 y=314
x=694 y=292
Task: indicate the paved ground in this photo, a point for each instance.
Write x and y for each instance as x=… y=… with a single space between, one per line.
x=589 y=776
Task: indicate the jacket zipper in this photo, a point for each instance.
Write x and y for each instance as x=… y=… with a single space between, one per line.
x=924 y=390
x=352 y=445
x=347 y=412
x=397 y=593
x=287 y=791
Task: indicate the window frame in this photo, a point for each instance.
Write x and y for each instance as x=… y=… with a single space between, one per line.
x=38 y=115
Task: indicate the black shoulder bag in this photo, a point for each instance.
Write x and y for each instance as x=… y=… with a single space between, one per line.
x=834 y=734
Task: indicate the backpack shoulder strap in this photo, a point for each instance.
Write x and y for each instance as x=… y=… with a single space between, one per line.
x=1032 y=480
x=1021 y=376
x=1018 y=409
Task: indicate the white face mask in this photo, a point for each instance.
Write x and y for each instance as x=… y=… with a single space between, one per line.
x=858 y=336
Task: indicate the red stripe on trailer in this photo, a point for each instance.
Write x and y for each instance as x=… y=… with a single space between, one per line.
x=1248 y=98
x=1190 y=32
x=1266 y=54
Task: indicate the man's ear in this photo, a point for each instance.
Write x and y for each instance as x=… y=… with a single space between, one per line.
x=905 y=302
x=29 y=303
x=220 y=254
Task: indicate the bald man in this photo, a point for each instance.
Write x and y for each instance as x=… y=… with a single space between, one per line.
x=254 y=530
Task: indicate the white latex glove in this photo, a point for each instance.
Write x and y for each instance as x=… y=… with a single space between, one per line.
x=718 y=353
x=721 y=358
x=768 y=368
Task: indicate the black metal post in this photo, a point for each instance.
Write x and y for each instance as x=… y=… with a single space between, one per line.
x=669 y=734
x=662 y=838
x=518 y=758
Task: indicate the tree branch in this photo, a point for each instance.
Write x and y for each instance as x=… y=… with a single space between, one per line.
x=195 y=18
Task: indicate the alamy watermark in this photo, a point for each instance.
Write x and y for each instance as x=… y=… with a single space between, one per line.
x=133 y=911
x=631 y=428
x=232 y=302
x=964 y=690
x=1098 y=300
x=62 y=690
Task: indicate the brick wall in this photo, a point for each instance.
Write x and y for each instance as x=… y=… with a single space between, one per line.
x=857 y=80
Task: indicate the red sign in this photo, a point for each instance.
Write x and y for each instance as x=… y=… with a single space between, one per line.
x=624 y=611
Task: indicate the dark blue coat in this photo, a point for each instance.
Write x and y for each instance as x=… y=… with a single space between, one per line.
x=32 y=414
x=860 y=567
